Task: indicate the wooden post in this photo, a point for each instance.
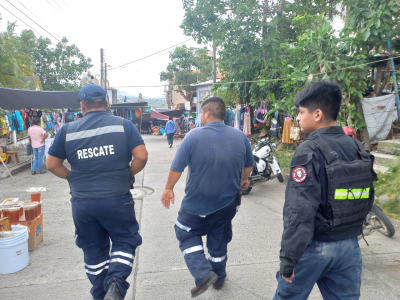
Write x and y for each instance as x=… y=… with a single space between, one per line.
x=378 y=79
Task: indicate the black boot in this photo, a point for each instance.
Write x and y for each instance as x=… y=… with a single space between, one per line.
x=113 y=292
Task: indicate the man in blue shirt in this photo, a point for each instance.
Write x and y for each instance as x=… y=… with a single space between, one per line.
x=220 y=161
x=99 y=148
x=170 y=129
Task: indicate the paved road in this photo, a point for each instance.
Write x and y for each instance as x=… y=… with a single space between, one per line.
x=56 y=267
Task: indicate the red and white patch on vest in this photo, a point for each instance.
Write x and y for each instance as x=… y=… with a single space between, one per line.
x=299 y=174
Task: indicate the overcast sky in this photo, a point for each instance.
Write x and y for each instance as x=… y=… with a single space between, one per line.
x=126 y=30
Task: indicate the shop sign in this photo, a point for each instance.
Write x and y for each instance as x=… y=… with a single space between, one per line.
x=187 y=105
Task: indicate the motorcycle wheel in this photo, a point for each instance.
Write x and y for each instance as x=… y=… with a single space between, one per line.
x=247 y=191
x=280 y=177
x=381 y=219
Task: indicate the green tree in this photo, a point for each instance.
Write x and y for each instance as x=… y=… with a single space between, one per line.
x=15 y=65
x=187 y=66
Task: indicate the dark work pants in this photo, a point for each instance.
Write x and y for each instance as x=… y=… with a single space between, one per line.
x=170 y=138
x=335 y=266
x=97 y=221
x=218 y=227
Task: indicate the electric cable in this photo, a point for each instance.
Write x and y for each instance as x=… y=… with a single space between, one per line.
x=252 y=81
x=36 y=17
x=20 y=20
x=148 y=55
x=32 y=20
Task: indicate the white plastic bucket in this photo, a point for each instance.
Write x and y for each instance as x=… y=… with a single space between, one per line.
x=14 y=254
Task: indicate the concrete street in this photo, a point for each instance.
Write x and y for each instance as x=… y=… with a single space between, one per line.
x=56 y=269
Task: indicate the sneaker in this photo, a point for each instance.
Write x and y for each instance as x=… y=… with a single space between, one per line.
x=200 y=289
x=170 y=145
x=113 y=292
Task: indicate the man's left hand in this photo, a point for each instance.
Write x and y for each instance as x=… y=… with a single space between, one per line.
x=288 y=279
x=167 y=197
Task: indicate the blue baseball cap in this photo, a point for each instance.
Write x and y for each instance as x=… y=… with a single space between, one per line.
x=91 y=91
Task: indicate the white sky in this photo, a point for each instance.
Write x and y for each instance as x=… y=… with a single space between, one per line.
x=126 y=30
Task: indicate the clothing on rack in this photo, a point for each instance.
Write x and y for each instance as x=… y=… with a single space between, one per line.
x=247 y=122
x=286 y=131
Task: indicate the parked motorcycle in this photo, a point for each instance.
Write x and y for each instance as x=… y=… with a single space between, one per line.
x=266 y=165
x=376 y=219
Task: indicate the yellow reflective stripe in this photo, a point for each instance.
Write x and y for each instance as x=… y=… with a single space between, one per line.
x=348 y=194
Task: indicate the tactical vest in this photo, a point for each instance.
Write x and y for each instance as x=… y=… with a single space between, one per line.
x=97 y=149
x=350 y=188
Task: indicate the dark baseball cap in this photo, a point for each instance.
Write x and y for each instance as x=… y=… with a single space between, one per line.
x=91 y=91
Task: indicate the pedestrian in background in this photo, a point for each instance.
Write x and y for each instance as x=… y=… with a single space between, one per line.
x=220 y=161
x=328 y=196
x=37 y=136
x=100 y=148
x=170 y=129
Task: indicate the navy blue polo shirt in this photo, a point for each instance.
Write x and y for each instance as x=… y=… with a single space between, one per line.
x=216 y=155
x=134 y=137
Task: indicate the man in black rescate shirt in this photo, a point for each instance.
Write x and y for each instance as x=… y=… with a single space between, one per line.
x=328 y=196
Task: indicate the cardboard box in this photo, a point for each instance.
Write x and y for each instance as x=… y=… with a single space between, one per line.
x=35 y=231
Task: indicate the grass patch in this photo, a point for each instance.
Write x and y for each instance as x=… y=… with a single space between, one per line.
x=389 y=185
x=285 y=154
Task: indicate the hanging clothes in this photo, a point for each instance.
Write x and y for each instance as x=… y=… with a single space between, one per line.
x=247 y=122
x=286 y=131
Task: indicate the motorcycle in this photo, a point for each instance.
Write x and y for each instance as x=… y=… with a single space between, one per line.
x=376 y=219
x=266 y=165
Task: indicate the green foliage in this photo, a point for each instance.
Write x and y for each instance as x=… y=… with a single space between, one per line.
x=389 y=185
x=187 y=66
x=26 y=61
x=15 y=65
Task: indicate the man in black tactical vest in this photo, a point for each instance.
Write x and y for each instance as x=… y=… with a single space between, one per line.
x=328 y=196
x=99 y=148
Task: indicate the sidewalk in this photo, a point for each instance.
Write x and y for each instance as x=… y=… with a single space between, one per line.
x=24 y=163
x=56 y=269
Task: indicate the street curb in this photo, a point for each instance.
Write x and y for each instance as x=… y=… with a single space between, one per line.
x=16 y=169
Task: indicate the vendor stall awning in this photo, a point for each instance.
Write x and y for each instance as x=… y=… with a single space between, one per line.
x=175 y=113
x=129 y=105
x=11 y=99
x=157 y=115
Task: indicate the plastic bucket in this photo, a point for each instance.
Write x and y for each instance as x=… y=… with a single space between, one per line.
x=14 y=255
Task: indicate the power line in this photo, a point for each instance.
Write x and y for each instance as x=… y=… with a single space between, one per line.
x=65 y=4
x=32 y=20
x=58 y=5
x=255 y=81
x=20 y=19
x=51 y=5
x=149 y=55
x=36 y=17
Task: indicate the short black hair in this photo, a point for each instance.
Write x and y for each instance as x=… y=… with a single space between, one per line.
x=97 y=103
x=216 y=106
x=35 y=121
x=324 y=95
x=170 y=118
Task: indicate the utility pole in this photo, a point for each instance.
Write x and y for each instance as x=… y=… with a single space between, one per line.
x=214 y=63
x=105 y=77
x=101 y=64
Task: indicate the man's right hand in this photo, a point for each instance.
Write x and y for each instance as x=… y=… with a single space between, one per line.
x=167 y=197
x=245 y=184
